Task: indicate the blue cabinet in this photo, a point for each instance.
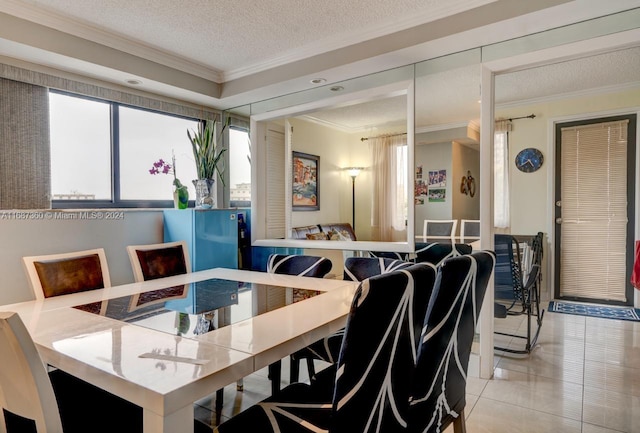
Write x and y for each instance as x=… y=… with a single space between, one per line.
x=216 y=238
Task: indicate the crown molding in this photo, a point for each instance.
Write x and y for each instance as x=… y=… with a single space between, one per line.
x=347 y=129
x=442 y=127
x=577 y=94
x=82 y=30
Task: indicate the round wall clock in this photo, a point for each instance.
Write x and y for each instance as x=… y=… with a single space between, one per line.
x=529 y=160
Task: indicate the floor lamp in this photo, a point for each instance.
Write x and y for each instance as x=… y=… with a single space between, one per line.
x=353 y=172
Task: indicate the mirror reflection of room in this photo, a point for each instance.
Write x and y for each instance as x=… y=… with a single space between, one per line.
x=360 y=152
x=447 y=151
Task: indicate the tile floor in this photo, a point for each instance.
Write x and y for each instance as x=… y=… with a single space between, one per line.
x=582 y=377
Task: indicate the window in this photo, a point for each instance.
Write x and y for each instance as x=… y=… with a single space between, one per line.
x=146 y=137
x=80 y=148
x=239 y=168
x=101 y=153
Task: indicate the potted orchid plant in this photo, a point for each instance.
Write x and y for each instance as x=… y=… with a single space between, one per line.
x=181 y=193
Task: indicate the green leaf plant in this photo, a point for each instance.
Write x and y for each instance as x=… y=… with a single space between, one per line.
x=207 y=149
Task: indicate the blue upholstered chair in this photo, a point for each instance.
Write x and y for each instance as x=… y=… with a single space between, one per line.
x=370 y=384
x=439 y=380
x=516 y=291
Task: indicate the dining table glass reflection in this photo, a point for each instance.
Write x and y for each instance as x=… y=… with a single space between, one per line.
x=196 y=308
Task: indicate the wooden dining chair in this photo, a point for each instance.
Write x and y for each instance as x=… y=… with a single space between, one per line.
x=439 y=380
x=152 y=261
x=62 y=274
x=370 y=385
x=34 y=401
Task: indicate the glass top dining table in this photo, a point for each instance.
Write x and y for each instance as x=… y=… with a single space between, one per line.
x=164 y=344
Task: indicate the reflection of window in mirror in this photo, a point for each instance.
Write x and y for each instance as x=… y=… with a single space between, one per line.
x=239 y=168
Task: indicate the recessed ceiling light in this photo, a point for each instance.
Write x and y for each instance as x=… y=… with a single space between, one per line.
x=336 y=88
x=318 y=81
x=134 y=82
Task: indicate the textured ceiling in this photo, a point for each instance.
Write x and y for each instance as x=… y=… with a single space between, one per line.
x=234 y=35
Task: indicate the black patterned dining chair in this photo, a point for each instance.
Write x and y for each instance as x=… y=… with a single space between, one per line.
x=302 y=266
x=439 y=380
x=328 y=348
x=437 y=252
x=371 y=381
x=299 y=265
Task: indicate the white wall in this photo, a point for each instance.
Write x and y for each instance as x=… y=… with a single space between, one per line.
x=42 y=236
x=434 y=157
x=465 y=159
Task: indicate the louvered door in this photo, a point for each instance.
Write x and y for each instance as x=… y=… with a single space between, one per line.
x=594 y=208
x=275 y=200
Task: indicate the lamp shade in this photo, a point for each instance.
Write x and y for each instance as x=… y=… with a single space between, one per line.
x=353 y=171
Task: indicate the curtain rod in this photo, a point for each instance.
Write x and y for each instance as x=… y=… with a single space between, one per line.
x=530 y=116
x=390 y=135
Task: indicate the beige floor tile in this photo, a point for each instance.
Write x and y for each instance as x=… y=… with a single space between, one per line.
x=567 y=347
x=536 y=392
x=540 y=363
x=613 y=353
x=612 y=410
x=590 y=428
x=490 y=416
x=612 y=377
x=595 y=323
x=475 y=385
x=614 y=335
x=553 y=328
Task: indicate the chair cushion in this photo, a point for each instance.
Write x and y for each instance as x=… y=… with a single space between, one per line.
x=162 y=262
x=65 y=276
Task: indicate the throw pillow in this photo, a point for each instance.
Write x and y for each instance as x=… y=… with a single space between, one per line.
x=321 y=236
x=339 y=235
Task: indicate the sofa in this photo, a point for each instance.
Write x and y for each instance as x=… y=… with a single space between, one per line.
x=344 y=230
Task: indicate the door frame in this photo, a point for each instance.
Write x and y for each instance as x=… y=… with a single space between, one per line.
x=632 y=192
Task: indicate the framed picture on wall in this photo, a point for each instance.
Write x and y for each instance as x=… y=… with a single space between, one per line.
x=305 y=194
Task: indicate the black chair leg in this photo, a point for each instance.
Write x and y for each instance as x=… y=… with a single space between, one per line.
x=275 y=373
x=311 y=368
x=219 y=399
x=294 y=369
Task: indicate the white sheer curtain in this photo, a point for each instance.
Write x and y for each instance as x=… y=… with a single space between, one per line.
x=501 y=217
x=389 y=175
